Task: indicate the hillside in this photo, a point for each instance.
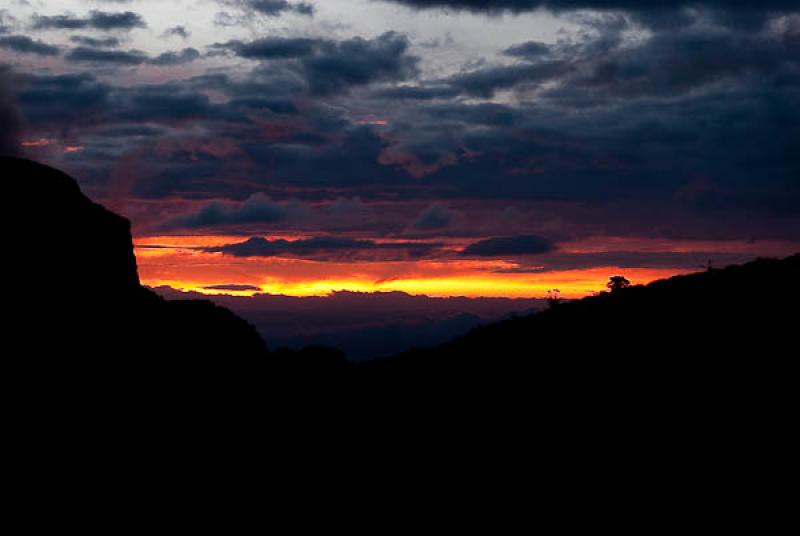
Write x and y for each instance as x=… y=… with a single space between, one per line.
x=709 y=334
x=748 y=307
x=76 y=295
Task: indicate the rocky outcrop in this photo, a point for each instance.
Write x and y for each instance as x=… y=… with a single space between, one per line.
x=68 y=244
x=76 y=290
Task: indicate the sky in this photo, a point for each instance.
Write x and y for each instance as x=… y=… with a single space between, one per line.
x=447 y=148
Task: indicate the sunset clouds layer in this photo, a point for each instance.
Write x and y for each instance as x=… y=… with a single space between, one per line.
x=440 y=147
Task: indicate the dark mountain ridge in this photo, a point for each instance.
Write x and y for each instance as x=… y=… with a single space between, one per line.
x=76 y=288
x=709 y=331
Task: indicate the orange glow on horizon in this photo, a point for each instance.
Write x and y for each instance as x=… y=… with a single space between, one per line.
x=572 y=284
x=178 y=263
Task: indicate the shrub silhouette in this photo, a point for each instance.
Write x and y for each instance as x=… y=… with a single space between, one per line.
x=617 y=283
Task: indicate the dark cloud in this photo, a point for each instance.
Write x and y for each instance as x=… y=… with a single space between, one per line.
x=489 y=114
x=116 y=21
x=275 y=8
x=686 y=61
x=659 y=14
x=257 y=209
x=95 y=42
x=687 y=130
x=156 y=105
x=416 y=93
x=509 y=247
x=529 y=49
x=274 y=48
x=86 y=54
x=485 y=82
x=495 y=6
x=312 y=247
x=334 y=66
x=63 y=100
x=97 y=20
x=354 y=62
x=434 y=217
x=10 y=116
x=25 y=45
x=234 y=288
x=179 y=31
x=608 y=66
x=187 y=55
x=102 y=55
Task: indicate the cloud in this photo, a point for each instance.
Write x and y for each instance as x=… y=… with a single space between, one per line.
x=10 y=116
x=487 y=81
x=87 y=54
x=329 y=67
x=96 y=42
x=62 y=100
x=509 y=247
x=354 y=62
x=274 y=48
x=97 y=20
x=528 y=49
x=179 y=31
x=101 y=55
x=256 y=209
x=660 y=14
x=488 y=114
x=4 y=19
x=689 y=130
x=275 y=8
x=234 y=288
x=187 y=55
x=25 y=45
x=495 y=6
x=314 y=247
x=434 y=217
x=416 y=93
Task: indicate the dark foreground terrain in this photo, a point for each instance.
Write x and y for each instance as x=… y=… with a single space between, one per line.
x=678 y=395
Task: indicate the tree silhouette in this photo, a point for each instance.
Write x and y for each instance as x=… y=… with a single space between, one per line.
x=553 y=298
x=617 y=283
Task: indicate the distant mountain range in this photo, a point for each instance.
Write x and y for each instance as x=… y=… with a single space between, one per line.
x=363 y=325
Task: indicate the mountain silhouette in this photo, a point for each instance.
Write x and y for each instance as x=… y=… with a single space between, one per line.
x=704 y=321
x=76 y=292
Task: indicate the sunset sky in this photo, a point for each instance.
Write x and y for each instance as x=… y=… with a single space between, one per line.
x=447 y=148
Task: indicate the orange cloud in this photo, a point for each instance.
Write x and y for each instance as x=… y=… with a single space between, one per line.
x=176 y=264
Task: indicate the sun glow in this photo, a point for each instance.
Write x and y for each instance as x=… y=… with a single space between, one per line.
x=178 y=262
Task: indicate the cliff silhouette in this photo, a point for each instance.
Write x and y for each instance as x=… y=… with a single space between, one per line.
x=76 y=292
